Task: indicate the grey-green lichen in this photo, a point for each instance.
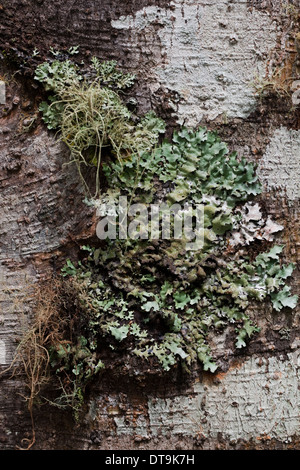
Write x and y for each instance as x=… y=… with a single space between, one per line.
x=89 y=112
x=154 y=299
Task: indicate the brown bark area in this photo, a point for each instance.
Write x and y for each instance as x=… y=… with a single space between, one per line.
x=43 y=221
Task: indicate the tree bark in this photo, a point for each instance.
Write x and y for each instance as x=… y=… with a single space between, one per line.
x=195 y=63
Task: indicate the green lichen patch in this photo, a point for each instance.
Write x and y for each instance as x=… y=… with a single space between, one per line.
x=196 y=163
x=90 y=114
x=153 y=300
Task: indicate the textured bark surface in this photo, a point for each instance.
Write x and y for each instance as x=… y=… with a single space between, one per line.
x=194 y=62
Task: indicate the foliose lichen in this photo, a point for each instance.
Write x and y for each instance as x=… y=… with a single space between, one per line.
x=155 y=299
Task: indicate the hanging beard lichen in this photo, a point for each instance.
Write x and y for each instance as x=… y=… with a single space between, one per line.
x=154 y=299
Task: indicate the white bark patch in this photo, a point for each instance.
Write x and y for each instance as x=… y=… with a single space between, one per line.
x=2 y=352
x=280 y=166
x=213 y=52
x=259 y=399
